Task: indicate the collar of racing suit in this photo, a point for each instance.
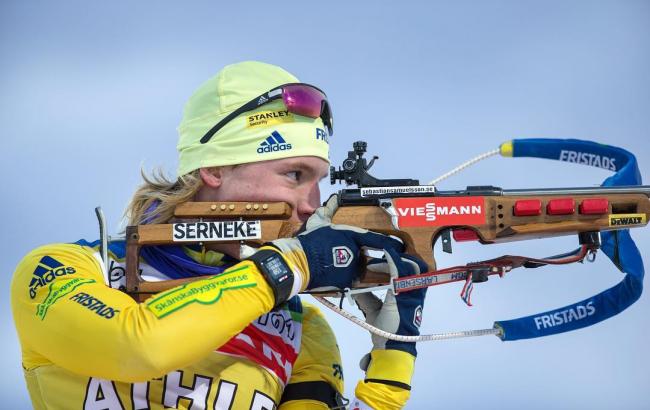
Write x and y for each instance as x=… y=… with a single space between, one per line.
x=178 y=262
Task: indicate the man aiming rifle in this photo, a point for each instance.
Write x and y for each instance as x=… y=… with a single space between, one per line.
x=239 y=337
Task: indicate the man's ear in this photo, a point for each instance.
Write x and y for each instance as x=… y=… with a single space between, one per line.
x=212 y=177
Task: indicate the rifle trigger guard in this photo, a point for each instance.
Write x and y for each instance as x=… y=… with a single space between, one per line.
x=387 y=206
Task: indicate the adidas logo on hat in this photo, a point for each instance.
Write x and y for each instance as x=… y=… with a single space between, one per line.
x=273 y=143
x=47 y=269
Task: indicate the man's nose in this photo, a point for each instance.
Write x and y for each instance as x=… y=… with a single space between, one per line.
x=308 y=202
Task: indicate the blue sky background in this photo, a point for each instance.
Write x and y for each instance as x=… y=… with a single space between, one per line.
x=90 y=92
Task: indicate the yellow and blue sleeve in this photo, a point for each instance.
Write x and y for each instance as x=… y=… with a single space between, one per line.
x=388 y=379
x=65 y=315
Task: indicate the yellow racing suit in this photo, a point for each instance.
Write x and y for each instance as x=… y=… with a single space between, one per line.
x=216 y=343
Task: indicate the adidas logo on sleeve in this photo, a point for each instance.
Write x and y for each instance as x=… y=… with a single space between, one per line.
x=273 y=143
x=47 y=269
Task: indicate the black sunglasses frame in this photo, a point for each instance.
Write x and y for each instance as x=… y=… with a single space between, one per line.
x=271 y=95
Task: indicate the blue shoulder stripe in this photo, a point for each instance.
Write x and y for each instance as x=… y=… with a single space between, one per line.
x=117 y=248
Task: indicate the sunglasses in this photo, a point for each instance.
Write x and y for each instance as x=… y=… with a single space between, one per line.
x=299 y=98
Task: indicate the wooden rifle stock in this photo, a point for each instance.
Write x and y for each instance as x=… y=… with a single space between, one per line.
x=503 y=216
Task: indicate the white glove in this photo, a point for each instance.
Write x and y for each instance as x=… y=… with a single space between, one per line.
x=401 y=314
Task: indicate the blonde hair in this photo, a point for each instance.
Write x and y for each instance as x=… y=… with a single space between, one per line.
x=158 y=188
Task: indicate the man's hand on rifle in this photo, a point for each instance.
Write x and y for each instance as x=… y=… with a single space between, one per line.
x=389 y=366
x=326 y=255
x=399 y=314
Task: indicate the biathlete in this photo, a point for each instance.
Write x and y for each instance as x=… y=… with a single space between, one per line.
x=239 y=337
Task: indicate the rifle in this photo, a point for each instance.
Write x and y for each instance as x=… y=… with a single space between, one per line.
x=419 y=215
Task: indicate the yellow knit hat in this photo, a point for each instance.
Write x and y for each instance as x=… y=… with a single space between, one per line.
x=269 y=132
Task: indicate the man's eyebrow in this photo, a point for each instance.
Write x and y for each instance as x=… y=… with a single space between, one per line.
x=300 y=166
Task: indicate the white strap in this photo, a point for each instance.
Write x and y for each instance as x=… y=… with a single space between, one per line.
x=465 y=165
x=400 y=338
